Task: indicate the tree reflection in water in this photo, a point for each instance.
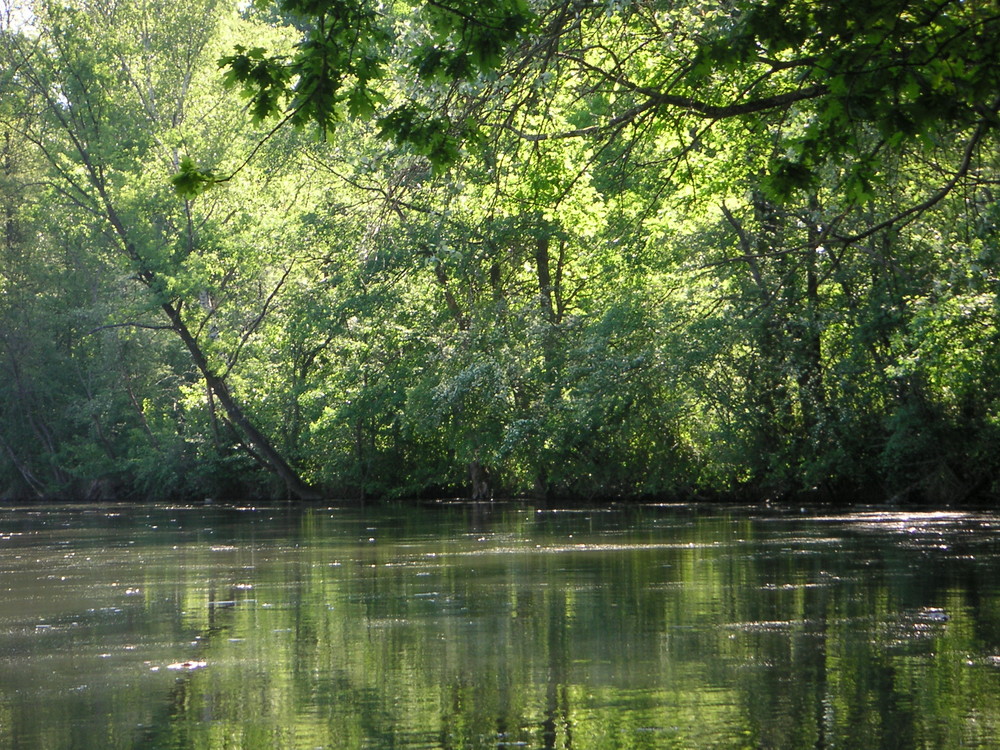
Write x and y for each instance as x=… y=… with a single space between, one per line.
x=500 y=626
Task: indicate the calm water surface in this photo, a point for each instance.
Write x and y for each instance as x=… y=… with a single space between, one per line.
x=457 y=626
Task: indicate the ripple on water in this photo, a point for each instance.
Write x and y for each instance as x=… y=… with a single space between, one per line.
x=772 y=626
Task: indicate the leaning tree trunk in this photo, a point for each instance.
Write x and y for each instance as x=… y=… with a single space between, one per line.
x=273 y=459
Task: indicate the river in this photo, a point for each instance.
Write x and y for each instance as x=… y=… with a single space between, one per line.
x=452 y=625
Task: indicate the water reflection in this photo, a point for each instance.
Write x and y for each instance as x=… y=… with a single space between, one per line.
x=496 y=626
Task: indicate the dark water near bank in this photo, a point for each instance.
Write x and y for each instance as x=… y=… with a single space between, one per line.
x=498 y=627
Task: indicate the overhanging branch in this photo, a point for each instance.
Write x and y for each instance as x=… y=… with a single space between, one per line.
x=684 y=103
x=963 y=169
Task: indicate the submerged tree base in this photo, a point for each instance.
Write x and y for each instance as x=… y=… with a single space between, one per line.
x=939 y=489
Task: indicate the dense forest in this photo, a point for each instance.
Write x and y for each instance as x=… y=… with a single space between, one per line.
x=568 y=248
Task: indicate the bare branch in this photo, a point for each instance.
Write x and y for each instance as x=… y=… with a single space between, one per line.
x=255 y=323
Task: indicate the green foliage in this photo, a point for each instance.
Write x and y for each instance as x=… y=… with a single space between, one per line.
x=596 y=250
x=261 y=80
x=339 y=66
x=191 y=181
x=426 y=134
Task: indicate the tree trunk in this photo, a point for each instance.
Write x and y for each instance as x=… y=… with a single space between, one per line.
x=544 y=280
x=275 y=462
x=549 y=311
x=479 y=475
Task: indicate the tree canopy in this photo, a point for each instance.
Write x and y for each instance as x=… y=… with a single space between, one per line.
x=588 y=249
x=835 y=83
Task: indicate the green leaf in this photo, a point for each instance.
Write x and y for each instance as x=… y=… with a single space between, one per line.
x=191 y=181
